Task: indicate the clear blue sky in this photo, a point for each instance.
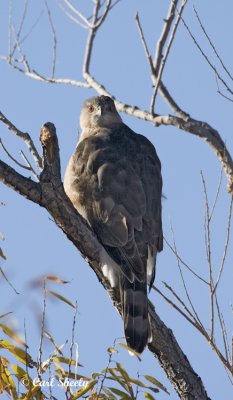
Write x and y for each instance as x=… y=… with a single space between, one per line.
x=35 y=246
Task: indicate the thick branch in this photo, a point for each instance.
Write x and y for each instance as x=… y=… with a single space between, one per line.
x=50 y=194
x=24 y=186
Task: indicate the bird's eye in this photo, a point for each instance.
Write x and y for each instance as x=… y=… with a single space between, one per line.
x=91 y=108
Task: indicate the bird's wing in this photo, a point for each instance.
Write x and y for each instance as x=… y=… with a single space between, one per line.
x=117 y=187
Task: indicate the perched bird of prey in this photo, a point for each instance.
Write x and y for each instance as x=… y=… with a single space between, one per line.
x=114 y=181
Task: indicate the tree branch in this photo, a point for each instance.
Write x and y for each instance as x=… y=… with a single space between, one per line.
x=50 y=194
x=24 y=186
x=25 y=137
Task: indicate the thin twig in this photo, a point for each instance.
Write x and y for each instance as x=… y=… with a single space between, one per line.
x=219 y=91
x=217 y=194
x=9 y=26
x=106 y=370
x=168 y=287
x=224 y=333
x=17 y=36
x=77 y=12
x=71 y=17
x=164 y=35
x=225 y=247
x=166 y=54
x=91 y=37
x=208 y=254
x=182 y=278
x=72 y=338
x=104 y=15
x=148 y=55
x=184 y=263
x=42 y=333
x=205 y=56
x=30 y=167
x=212 y=45
x=7 y=280
x=192 y=322
x=25 y=137
x=54 y=38
x=26 y=347
x=12 y=158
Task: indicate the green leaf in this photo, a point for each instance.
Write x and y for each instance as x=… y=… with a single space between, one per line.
x=12 y=335
x=62 y=298
x=156 y=383
x=78 y=394
x=123 y=372
x=110 y=395
x=124 y=395
x=142 y=384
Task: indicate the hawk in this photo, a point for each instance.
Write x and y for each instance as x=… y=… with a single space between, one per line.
x=114 y=181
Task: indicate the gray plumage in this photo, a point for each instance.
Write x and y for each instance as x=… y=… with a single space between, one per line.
x=114 y=181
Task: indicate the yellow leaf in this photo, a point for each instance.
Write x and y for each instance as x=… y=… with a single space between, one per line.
x=12 y=335
x=130 y=350
x=148 y=396
x=112 y=350
x=20 y=354
x=56 y=279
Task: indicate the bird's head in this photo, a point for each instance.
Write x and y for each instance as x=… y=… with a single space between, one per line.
x=99 y=112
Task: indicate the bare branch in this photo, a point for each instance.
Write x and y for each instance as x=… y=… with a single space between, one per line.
x=212 y=45
x=167 y=51
x=208 y=254
x=12 y=158
x=162 y=88
x=183 y=304
x=17 y=35
x=39 y=367
x=225 y=247
x=183 y=280
x=205 y=57
x=148 y=55
x=24 y=186
x=71 y=17
x=184 y=263
x=54 y=38
x=77 y=12
x=223 y=329
x=175 y=307
x=220 y=92
x=90 y=40
x=217 y=194
x=25 y=137
x=164 y=35
x=28 y=164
